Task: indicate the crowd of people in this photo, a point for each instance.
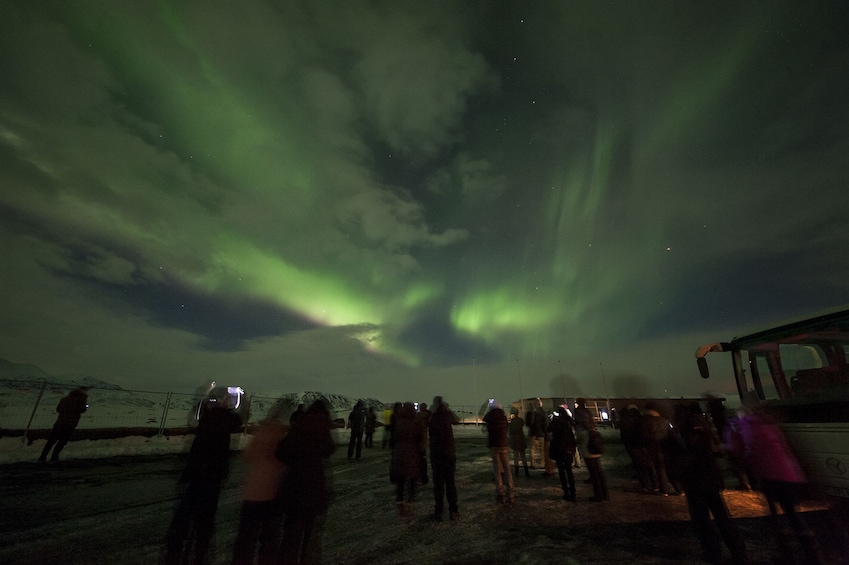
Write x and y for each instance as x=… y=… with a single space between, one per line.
x=680 y=457
x=286 y=493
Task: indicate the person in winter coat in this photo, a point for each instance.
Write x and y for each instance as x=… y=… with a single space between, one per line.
x=408 y=438
x=389 y=417
x=584 y=423
x=537 y=427
x=562 y=450
x=296 y=415
x=702 y=482
x=780 y=477
x=357 y=423
x=262 y=514
x=496 y=427
x=655 y=431
x=305 y=491
x=70 y=408
x=207 y=467
x=516 y=433
x=732 y=443
x=424 y=416
x=631 y=434
x=443 y=458
x=371 y=425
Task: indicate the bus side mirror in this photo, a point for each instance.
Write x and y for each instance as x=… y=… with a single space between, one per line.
x=703 y=367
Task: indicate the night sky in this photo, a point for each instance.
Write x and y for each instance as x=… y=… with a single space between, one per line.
x=403 y=199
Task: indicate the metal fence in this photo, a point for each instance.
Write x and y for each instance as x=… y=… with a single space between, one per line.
x=31 y=405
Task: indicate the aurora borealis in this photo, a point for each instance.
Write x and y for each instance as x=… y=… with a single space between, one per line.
x=403 y=199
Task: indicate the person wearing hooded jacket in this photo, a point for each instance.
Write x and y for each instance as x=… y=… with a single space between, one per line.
x=70 y=408
x=496 y=427
x=207 y=467
x=703 y=482
x=357 y=423
x=537 y=423
x=405 y=465
x=516 y=432
x=305 y=491
x=443 y=458
x=584 y=423
x=562 y=450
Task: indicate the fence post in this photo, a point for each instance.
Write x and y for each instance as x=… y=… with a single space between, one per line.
x=164 y=414
x=34 y=408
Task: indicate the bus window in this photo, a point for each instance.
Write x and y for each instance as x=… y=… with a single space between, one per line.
x=760 y=369
x=809 y=371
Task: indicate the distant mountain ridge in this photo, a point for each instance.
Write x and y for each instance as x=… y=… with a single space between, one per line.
x=29 y=372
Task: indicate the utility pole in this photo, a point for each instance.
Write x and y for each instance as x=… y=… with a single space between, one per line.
x=562 y=382
x=606 y=394
x=475 y=382
x=521 y=394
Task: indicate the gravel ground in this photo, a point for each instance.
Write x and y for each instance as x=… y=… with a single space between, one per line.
x=116 y=510
x=633 y=527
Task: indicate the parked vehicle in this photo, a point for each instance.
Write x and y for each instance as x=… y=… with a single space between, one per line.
x=799 y=370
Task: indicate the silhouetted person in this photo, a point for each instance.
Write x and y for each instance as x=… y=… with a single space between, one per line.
x=389 y=417
x=496 y=428
x=516 y=433
x=424 y=416
x=732 y=442
x=409 y=437
x=443 y=458
x=703 y=483
x=262 y=514
x=562 y=448
x=631 y=434
x=780 y=478
x=296 y=415
x=208 y=465
x=537 y=427
x=70 y=408
x=584 y=423
x=357 y=424
x=371 y=425
x=655 y=431
x=305 y=492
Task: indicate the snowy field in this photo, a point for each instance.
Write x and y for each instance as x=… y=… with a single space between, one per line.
x=116 y=510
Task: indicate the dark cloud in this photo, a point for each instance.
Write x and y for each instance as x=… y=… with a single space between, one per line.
x=372 y=193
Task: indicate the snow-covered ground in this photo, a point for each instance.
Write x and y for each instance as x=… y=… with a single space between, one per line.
x=16 y=450
x=116 y=510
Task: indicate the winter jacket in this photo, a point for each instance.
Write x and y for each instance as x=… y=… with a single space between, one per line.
x=357 y=418
x=696 y=457
x=409 y=435
x=303 y=450
x=584 y=419
x=516 y=432
x=630 y=428
x=265 y=471
x=209 y=456
x=563 y=444
x=496 y=428
x=537 y=423
x=371 y=420
x=441 y=433
x=767 y=453
x=71 y=408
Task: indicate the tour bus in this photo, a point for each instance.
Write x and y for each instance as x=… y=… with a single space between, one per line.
x=799 y=370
